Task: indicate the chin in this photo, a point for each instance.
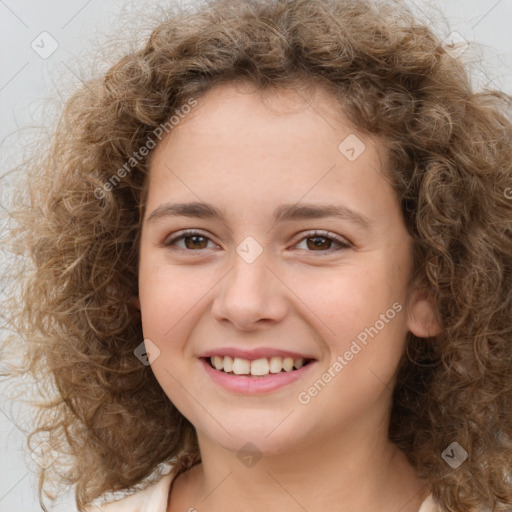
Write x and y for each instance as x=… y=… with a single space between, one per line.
x=267 y=438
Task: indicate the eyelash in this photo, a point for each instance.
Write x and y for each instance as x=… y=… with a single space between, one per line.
x=342 y=243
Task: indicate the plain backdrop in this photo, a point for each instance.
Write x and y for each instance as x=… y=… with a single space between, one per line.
x=45 y=46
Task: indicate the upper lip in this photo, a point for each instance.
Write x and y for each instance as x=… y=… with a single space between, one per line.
x=256 y=353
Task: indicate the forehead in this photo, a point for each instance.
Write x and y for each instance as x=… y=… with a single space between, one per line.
x=255 y=143
x=306 y=122
x=244 y=107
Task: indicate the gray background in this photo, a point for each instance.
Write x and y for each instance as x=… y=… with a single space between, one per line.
x=28 y=82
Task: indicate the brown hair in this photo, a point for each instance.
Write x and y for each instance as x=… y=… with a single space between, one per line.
x=450 y=163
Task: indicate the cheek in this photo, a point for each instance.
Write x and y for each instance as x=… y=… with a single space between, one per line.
x=168 y=293
x=360 y=314
x=346 y=300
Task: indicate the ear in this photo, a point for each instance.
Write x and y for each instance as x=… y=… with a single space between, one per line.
x=134 y=301
x=422 y=317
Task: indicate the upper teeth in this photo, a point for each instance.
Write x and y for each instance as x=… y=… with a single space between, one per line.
x=262 y=366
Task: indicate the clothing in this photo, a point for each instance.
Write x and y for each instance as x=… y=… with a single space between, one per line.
x=155 y=498
x=152 y=499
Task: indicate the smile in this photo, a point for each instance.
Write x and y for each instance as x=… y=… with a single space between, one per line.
x=255 y=376
x=257 y=367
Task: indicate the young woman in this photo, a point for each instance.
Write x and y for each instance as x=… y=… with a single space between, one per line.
x=272 y=259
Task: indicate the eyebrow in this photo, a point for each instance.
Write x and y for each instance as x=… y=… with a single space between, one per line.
x=285 y=212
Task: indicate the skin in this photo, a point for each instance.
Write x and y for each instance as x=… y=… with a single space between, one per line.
x=248 y=152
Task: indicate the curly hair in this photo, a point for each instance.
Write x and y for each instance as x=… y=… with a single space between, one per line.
x=450 y=163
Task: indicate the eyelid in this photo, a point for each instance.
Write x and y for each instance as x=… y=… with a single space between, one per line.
x=184 y=233
x=342 y=242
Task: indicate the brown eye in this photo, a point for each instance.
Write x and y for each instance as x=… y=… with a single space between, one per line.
x=192 y=240
x=196 y=242
x=323 y=241
x=319 y=242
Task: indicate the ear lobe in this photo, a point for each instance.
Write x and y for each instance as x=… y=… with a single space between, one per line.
x=422 y=316
x=134 y=301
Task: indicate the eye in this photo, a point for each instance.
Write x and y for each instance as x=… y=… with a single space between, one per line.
x=192 y=239
x=320 y=240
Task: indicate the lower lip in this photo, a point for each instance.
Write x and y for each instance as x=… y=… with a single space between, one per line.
x=250 y=385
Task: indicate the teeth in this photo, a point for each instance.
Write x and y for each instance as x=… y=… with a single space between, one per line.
x=228 y=364
x=260 y=367
x=288 y=364
x=276 y=364
x=298 y=363
x=241 y=366
x=257 y=367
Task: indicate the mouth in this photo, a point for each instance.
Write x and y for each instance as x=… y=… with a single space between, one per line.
x=261 y=367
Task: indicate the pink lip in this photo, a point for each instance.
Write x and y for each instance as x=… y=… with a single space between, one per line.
x=249 y=385
x=253 y=354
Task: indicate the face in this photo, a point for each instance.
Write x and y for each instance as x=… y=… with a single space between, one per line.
x=300 y=257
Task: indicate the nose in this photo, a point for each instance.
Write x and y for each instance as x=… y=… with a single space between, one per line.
x=251 y=296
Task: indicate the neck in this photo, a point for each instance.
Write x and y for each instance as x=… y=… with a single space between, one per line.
x=359 y=469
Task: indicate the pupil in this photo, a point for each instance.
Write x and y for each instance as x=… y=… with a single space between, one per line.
x=194 y=241
x=317 y=242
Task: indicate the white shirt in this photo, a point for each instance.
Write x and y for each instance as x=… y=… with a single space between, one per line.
x=155 y=498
